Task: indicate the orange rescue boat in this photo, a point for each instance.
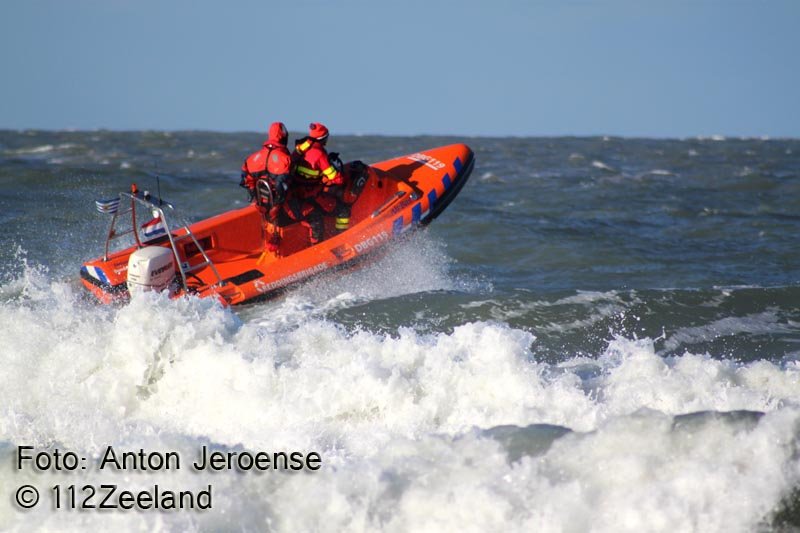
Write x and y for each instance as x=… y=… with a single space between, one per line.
x=226 y=257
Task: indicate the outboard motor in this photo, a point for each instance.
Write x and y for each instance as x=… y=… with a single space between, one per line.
x=150 y=269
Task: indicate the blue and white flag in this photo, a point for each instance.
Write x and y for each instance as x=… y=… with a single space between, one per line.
x=107 y=206
x=153 y=228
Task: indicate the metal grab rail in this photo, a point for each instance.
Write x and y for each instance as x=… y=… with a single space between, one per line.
x=144 y=199
x=206 y=260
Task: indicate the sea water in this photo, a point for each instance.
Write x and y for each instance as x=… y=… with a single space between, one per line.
x=599 y=334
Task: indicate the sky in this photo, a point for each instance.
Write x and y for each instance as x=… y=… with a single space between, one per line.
x=669 y=68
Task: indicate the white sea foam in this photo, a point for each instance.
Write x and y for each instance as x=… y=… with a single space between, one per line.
x=603 y=305
x=399 y=420
x=660 y=172
x=760 y=323
x=42 y=149
x=602 y=166
x=489 y=177
x=415 y=264
x=588 y=297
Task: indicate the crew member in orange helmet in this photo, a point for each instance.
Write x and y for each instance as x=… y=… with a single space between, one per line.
x=315 y=176
x=273 y=163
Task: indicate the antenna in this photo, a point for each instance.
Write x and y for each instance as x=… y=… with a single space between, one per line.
x=158 y=183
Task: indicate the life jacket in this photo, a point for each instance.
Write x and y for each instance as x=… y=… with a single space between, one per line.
x=312 y=166
x=272 y=162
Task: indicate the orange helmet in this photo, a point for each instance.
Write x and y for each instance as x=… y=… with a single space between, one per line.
x=278 y=133
x=317 y=131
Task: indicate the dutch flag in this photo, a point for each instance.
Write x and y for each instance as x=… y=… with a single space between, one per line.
x=153 y=228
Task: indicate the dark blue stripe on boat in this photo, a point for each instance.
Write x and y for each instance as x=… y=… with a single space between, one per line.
x=98 y=274
x=397 y=227
x=416 y=213
x=431 y=199
x=459 y=165
x=452 y=187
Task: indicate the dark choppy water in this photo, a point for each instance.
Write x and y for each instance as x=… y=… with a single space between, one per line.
x=591 y=328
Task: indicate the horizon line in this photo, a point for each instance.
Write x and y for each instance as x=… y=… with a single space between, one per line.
x=711 y=137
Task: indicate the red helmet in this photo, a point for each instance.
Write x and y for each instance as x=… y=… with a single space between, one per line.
x=278 y=133
x=317 y=131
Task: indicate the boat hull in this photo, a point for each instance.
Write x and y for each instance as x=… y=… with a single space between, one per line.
x=399 y=195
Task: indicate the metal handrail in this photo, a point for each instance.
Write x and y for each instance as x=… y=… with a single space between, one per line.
x=144 y=199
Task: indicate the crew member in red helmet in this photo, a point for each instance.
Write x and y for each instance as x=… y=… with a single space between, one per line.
x=314 y=176
x=273 y=163
x=312 y=159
